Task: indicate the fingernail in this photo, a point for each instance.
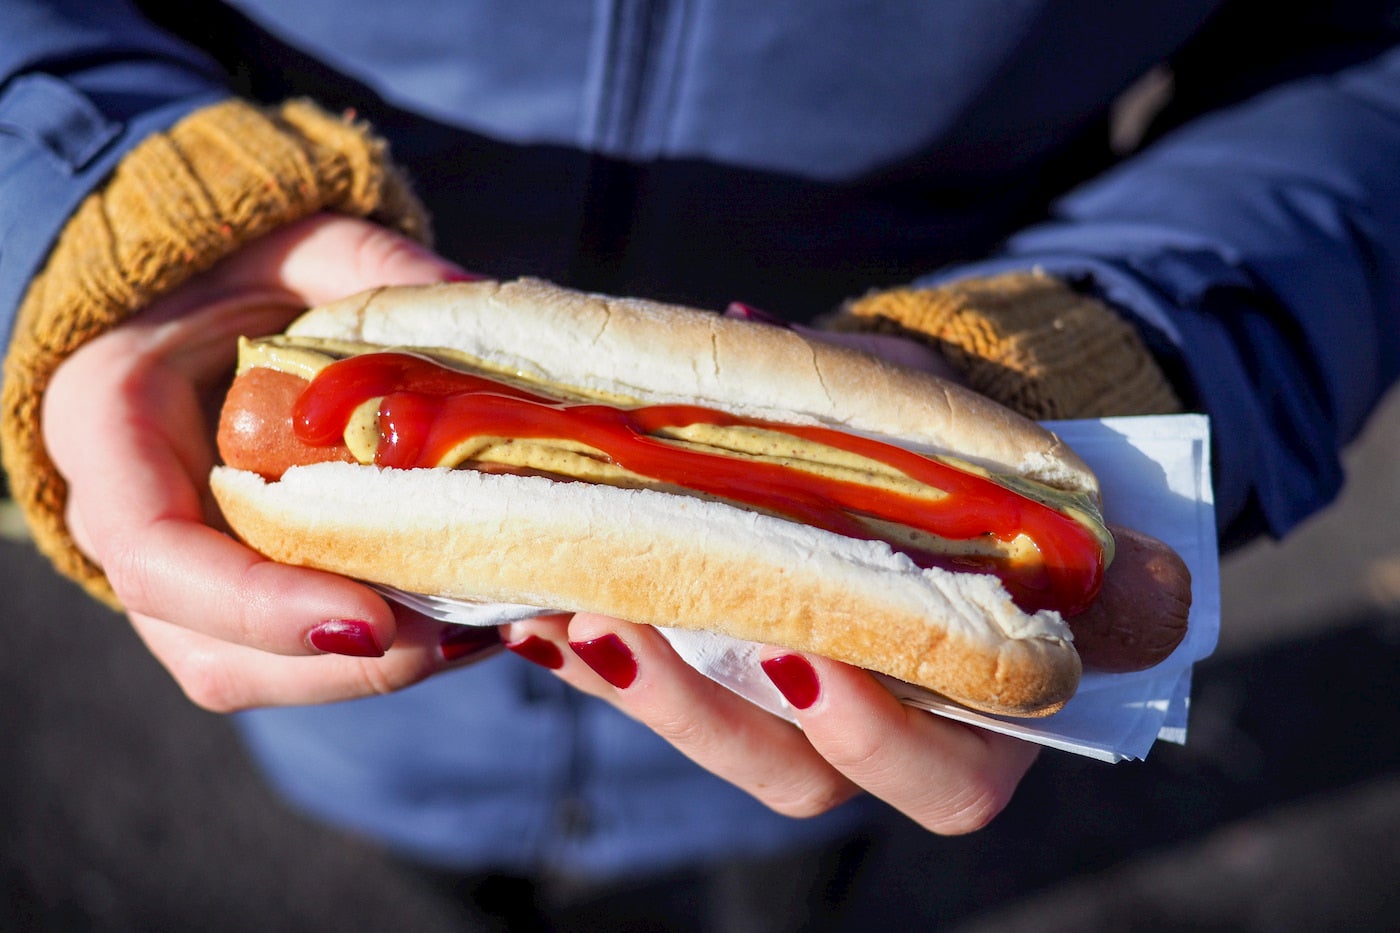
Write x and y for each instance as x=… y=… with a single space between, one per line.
x=747 y=312
x=350 y=637
x=794 y=677
x=464 y=276
x=463 y=641
x=542 y=651
x=610 y=659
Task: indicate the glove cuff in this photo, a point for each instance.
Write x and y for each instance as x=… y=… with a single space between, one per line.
x=1028 y=341
x=175 y=205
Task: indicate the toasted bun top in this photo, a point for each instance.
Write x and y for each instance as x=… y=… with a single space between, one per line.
x=660 y=353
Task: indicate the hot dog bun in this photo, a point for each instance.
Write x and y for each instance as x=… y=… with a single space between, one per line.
x=665 y=559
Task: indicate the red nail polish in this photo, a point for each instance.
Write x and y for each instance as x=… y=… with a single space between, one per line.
x=747 y=312
x=463 y=276
x=351 y=637
x=542 y=651
x=795 y=679
x=610 y=659
x=463 y=641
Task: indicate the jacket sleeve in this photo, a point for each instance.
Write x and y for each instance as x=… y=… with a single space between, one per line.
x=1259 y=249
x=119 y=180
x=81 y=82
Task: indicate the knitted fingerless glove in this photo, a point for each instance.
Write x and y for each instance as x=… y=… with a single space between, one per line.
x=176 y=204
x=1028 y=341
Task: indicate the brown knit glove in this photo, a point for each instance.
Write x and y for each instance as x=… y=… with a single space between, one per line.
x=177 y=203
x=1028 y=341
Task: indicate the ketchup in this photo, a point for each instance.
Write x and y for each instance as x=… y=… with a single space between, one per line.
x=427 y=409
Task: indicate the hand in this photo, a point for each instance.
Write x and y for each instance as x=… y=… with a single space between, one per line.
x=854 y=736
x=128 y=420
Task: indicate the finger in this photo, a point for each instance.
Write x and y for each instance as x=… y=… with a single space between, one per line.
x=211 y=584
x=899 y=350
x=311 y=261
x=542 y=640
x=903 y=351
x=140 y=515
x=949 y=777
x=329 y=256
x=635 y=668
x=226 y=678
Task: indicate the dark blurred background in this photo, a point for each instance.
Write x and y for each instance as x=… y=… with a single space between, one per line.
x=123 y=807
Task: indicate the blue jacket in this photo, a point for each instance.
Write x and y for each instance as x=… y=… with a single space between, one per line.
x=788 y=154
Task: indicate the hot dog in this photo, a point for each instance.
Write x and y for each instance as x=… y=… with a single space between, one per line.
x=519 y=442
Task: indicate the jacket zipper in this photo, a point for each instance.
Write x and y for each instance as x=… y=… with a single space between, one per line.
x=634 y=51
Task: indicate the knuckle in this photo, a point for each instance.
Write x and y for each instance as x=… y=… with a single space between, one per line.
x=381 y=676
x=208 y=683
x=685 y=731
x=810 y=800
x=855 y=751
x=971 y=795
x=377 y=251
x=800 y=793
x=253 y=618
x=128 y=569
x=979 y=802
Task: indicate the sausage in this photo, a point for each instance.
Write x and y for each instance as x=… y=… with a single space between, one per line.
x=1137 y=620
x=255 y=428
x=1140 y=614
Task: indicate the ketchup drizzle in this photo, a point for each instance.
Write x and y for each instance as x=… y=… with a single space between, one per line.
x=426 y=409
